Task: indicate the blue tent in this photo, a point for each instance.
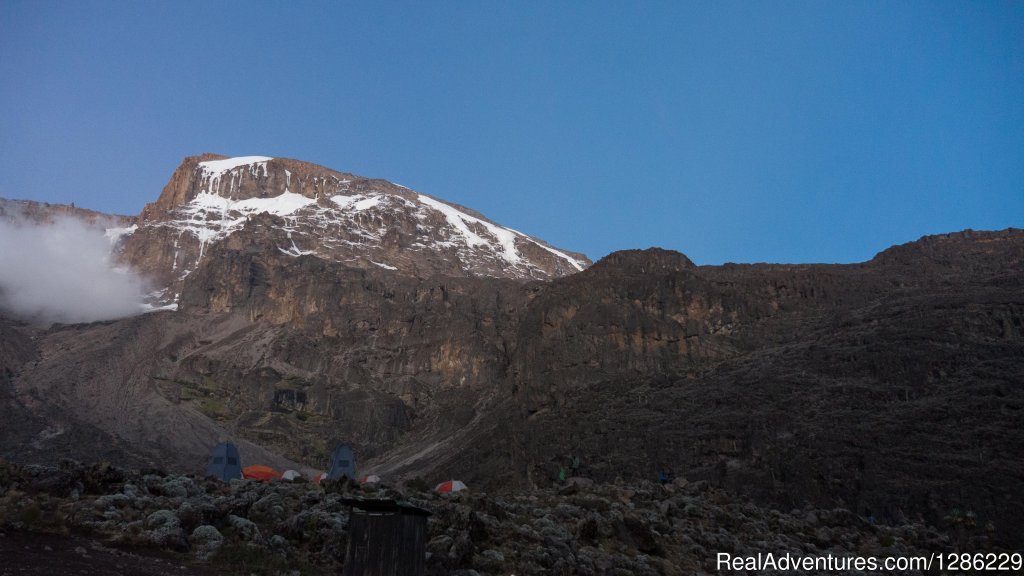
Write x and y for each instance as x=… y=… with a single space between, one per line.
x=343 y=463
x=224 y=463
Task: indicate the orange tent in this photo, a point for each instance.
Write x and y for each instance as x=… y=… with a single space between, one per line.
x=260 y=472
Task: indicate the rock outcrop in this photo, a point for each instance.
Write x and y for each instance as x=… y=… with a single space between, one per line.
x=297 y=208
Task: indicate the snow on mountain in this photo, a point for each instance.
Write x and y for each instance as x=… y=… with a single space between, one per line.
x=216 y=168
x=116 y=233
x=331 y=215
x=506 y=237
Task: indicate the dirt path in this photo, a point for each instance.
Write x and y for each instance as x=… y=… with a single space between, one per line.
x=28 y=554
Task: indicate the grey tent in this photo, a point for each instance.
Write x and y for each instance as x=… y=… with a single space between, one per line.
x=224 y=463
x=343 y=463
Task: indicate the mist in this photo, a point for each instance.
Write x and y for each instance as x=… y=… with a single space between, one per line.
x=64 y=272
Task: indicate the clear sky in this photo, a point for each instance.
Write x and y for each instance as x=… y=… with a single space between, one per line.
x=820 y=131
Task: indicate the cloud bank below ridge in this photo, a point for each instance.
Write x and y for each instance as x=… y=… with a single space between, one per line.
x=64 y=272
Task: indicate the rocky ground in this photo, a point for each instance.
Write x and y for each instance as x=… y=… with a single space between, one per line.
x=98 y=519
x=42 y=554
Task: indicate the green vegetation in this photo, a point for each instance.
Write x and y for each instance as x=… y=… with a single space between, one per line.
x=214 y=408
x=318 y=450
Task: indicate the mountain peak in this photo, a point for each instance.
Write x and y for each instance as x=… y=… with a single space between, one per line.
x=336 y=216
x=964 y=248
x=649 y=261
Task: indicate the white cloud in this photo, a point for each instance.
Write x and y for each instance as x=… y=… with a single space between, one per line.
x=64 y=272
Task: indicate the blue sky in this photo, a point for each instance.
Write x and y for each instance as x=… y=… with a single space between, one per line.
x=745 y=132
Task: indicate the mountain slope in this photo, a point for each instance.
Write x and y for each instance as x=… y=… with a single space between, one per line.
x=888 y=388
x=298 y=208
x=891 y=387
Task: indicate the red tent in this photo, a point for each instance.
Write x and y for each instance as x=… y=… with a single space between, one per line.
x=449 y=486
x=260 y=472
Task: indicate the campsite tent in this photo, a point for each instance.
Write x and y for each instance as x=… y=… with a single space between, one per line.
x=343 y=463
x=319 y=477
x=369 y=479
x=260 y=472
x=290 y=475
x=224 y=462
x=449 y=486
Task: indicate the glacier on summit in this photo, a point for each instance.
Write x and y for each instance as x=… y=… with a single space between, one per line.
x=345 y=218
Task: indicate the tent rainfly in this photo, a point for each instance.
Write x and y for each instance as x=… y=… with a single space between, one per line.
x=343 y=463
x=260 y=472
x=449 y=486
x=225 y=462
x=369 y=479
x=290 y=475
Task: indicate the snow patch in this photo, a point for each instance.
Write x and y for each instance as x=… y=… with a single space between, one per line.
x=214 y=168
x=147 y=308
x=357 y=202
x=280 y=205
x=506 y=237
x=206 y=204
x=333 y=228
x=461 y=222
x=294 y=250
x=572 y=261
x=367 y=203
x=211 y=217
x=115 y=234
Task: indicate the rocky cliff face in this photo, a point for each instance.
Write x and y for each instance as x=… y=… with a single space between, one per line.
x=27 y=211
x=297 y=208
x=890 y=387
x=878 y=385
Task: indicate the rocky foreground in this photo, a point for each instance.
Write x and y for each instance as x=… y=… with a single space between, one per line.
x=291 y=528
